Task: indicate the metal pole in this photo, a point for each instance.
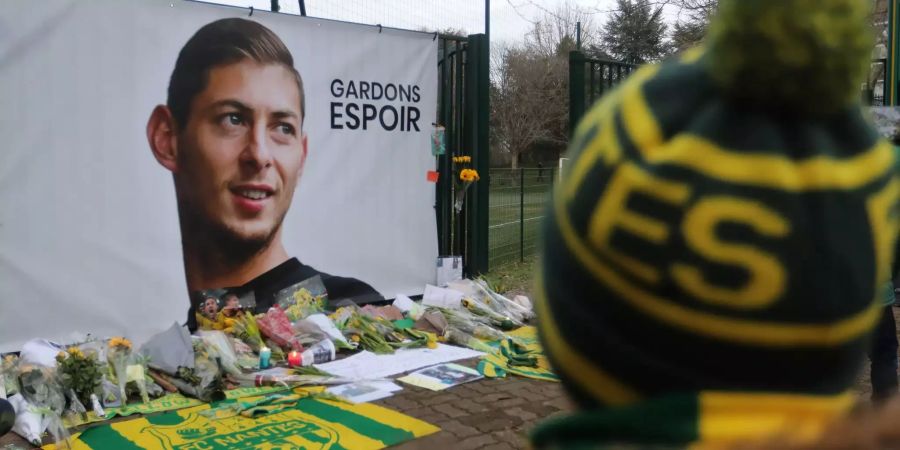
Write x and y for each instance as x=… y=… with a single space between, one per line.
x=275 y=6
x=891 y=68
x=302 y=7
x=521 y=214
x=578 y=36
x=487 y=21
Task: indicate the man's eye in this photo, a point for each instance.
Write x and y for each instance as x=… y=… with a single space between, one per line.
x=286 y=129
x=232 y=119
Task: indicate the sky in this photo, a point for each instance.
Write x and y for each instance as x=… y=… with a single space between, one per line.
x=510 y=19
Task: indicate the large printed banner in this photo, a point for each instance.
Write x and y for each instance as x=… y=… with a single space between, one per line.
x=100 y=186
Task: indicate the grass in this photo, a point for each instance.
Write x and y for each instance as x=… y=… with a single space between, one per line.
x=508 y=206
x=514 y=279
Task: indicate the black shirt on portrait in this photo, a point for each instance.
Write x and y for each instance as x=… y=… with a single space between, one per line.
x=291 y=272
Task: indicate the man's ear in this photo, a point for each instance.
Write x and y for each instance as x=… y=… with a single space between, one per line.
x=303 y=142
x=163 y=138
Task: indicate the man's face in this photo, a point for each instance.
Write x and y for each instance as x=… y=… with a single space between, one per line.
x=242 y=151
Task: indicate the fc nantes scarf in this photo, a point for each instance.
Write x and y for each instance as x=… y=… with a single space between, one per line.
x=310 y=424
x=728 y=220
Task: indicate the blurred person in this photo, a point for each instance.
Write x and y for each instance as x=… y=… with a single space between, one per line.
x=713 y=263
x=231 y=133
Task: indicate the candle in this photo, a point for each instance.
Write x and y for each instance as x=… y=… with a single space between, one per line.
x=264 y=354
x=294 y=358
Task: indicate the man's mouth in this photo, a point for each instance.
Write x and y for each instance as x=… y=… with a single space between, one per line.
x=253 y=194
x=251 y=198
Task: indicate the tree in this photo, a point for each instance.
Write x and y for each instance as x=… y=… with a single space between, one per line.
x=529 y=92
x=530 y=101
x=635 y=32
x=554 y=33
x=691 y=22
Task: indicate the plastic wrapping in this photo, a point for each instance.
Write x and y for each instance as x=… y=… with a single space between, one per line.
x=29 y=424
x=276 y=326
x=303 y=299
x=117 y=355
x=9 y=375
x=80 y=373
x=307 y=332
x=492 y=303
x=456 y=336
x=219 y=345
x=246 y=329
x=204 y=381
x=169 y=350
x=42 y=388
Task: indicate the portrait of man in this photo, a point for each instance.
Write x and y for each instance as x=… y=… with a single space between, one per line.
x=231 y=133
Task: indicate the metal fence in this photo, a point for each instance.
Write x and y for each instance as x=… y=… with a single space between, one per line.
x=590 y=79
x=519 y=198
x=877 y=87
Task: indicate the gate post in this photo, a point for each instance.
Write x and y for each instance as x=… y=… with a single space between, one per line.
x=892 y=67
x=476 y=130
x=576 y=89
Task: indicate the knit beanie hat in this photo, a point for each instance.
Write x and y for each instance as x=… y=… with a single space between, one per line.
x=728 y=218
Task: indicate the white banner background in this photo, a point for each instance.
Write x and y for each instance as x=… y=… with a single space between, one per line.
x=89 y=238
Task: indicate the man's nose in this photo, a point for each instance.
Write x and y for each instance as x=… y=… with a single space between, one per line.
x=257 y=153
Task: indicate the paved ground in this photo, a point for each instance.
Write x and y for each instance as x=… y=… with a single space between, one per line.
x=494 y=414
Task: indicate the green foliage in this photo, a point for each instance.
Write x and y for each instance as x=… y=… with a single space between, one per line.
x=635 y=33
x=80 y=373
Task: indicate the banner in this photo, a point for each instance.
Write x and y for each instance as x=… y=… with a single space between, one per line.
x=90 y=185
x=310 y=424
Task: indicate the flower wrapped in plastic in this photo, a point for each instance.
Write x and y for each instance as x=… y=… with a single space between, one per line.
x=467 y=177
x=80 y=372
x=9 y=375
x=275 y=325
x=456 y=336
x=41 y=387
x=118 y=354
x=204 y=381
x=303 y=299
x=246 y=329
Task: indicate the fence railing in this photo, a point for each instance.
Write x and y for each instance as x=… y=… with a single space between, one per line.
x=876 y=93
x=590 y=79
x=519 y=199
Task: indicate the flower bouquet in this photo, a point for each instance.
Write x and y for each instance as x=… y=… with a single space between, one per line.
x=303 y=299
x=466 y=178
x=80 y=374
x=246 y=329
x=276 y=326
x=41 y=387
x=117 y=355
x=8 y=379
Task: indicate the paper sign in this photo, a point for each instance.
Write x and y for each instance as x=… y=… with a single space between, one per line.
x=449 y=268
x=440 y=377
x=442 y=298
x=369 y=366
x=365 y=391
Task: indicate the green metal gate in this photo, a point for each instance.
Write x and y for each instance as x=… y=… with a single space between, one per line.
x=590 y=79
x=463 y=110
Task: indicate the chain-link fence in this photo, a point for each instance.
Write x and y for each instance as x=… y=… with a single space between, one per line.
x=518 y=202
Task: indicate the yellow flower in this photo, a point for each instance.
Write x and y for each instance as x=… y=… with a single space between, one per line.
x=120 y=343
x=468 y=175
x=75 y=351
x=60 y=356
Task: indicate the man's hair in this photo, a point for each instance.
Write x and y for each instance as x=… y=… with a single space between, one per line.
x=219 y=43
